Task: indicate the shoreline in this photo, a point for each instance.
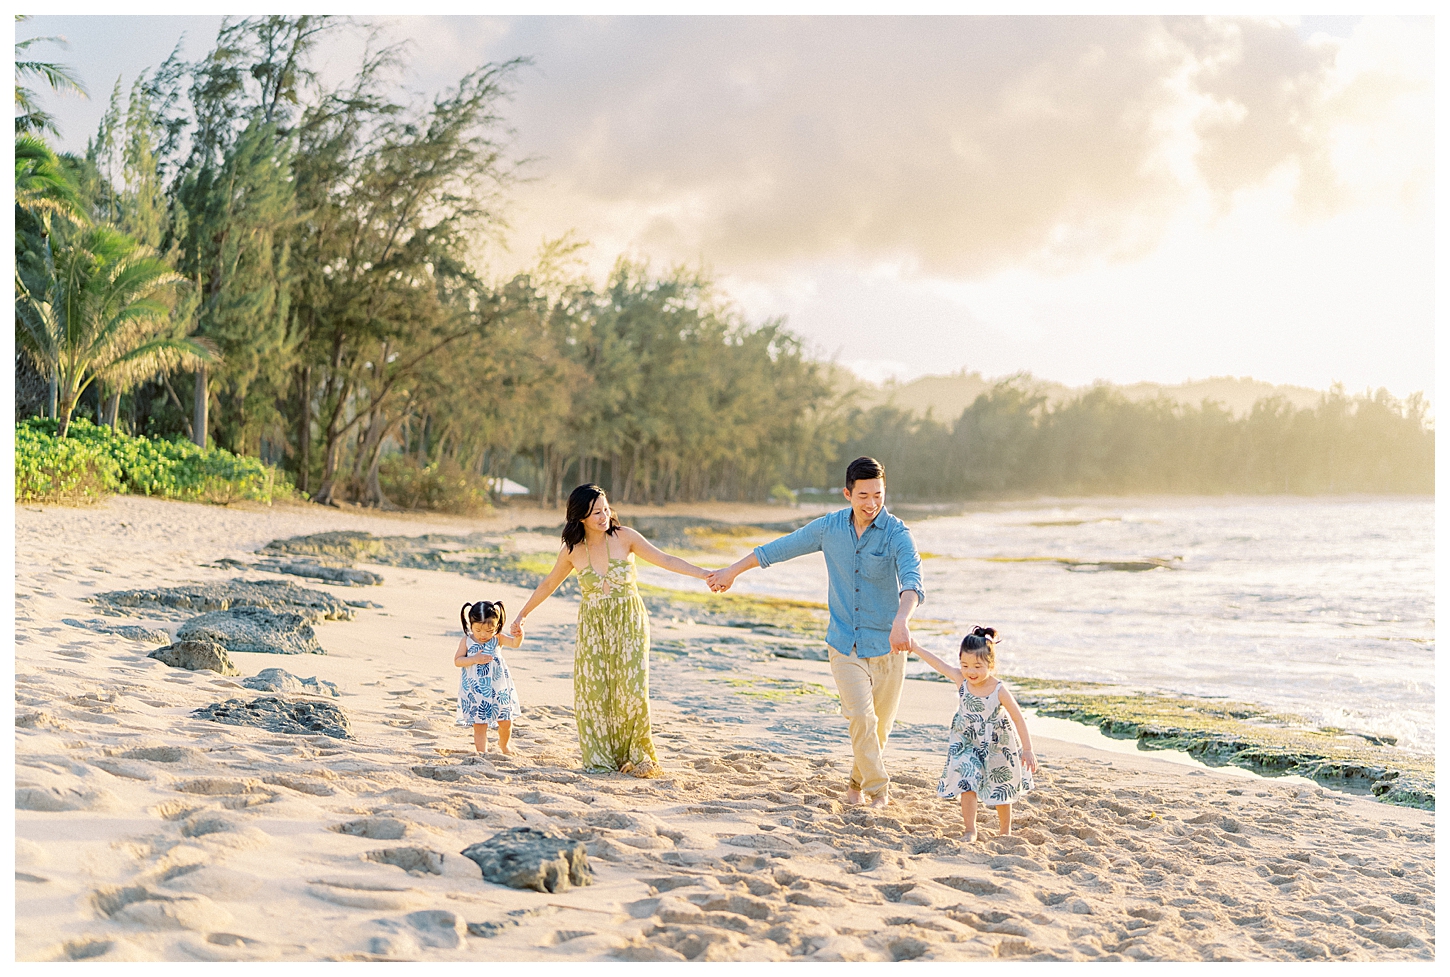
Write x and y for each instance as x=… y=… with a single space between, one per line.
x=147 y=832
x=1217 y=732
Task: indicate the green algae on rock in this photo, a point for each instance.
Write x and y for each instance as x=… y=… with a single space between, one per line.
x=1238 y=734
x=769 y=615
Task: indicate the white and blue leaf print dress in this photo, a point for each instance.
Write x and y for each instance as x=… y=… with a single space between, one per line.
x=486 y=693
x=984 y=754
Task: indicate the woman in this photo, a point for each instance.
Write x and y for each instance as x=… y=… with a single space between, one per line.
x=611 y=655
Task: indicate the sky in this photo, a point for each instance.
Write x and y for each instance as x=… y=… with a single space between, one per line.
x=1083 y=198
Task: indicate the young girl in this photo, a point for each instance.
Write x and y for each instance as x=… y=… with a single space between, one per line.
x=984 y=757
x=486 y=696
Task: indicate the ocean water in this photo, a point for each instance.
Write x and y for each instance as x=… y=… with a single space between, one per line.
x=1321 y=607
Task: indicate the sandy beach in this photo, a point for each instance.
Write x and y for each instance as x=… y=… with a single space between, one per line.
x=146 y=833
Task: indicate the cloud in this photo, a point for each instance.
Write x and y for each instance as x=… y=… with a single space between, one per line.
x=951 y=147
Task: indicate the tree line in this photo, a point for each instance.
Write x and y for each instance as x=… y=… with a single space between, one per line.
x=249 y=257
x=1010 y=441
x=316 y=300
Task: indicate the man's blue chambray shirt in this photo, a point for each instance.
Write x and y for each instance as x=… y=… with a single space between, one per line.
x=867 y=575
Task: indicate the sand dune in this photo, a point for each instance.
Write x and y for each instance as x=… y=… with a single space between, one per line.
x=143 y=833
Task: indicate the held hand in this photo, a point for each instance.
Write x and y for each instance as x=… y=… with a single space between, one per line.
x=1029 y=760
x=900 y=636
x=720 y=580
x=516 y=629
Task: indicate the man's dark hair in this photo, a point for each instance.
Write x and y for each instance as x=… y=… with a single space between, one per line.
x=863 y=467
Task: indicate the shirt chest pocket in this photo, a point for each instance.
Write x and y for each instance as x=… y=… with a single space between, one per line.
x=878 y=565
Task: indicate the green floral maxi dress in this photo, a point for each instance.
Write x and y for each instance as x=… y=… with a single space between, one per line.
x=611 y=671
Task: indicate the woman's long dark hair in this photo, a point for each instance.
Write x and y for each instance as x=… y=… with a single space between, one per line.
x=581 y=501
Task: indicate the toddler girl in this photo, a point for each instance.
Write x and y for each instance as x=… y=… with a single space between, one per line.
x=984 y=757
x=486 y=695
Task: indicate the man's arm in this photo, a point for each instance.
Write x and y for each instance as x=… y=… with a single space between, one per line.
x=908 y=571
x=900 y=629
x=806 y=539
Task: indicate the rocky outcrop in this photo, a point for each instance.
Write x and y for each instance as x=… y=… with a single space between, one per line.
x=341 y=547
x=197 y=655
x=532 y=858
x=254 y=629
x=280 y=716
x=342 y=576
x=277 y=680
x=1238 y=734
x=418 y=861
x=378 y=829
x=474 y=555
x=131 y=632
x=272 y=595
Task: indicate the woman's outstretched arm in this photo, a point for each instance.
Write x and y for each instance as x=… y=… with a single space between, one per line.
x=547 y=586
x=940 y=664
x=653 y=554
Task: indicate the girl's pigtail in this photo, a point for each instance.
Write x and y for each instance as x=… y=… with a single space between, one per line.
x=492 y=610
x=463 y=615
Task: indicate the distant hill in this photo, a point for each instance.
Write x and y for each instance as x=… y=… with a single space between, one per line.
x=947 y=396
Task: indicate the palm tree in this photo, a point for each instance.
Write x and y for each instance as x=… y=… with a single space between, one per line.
x=43 y=193
x=30 y=117
x=98 y=311
x=43 y=189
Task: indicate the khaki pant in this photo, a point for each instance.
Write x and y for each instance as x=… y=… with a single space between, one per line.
x=870 y=690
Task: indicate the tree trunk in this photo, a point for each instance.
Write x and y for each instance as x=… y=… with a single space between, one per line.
x=113 y=409
x=331 y=447
x=171 y=392
x=368 y=448
x=339 y=387
x=325 y=493
x=66 y=409
x=54 y=396
x=304 y=432
x=198 y=410
x=373 y=488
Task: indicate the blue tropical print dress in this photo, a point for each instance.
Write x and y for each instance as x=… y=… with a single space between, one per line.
x=486 y=693
x=984 y=754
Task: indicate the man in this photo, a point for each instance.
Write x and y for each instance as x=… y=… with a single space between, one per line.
x=875 y=587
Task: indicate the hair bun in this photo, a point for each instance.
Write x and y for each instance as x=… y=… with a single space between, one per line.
x=989 y=633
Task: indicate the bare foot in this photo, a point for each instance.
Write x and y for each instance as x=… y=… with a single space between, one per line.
x=645 y=770
x=853 y=796
x=880 y=800
x=506 y=750
x=969 y=836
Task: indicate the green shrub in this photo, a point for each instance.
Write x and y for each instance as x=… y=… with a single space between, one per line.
x=91 y=461
x=439 y=487
x=61 y=469
x=779 y=493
